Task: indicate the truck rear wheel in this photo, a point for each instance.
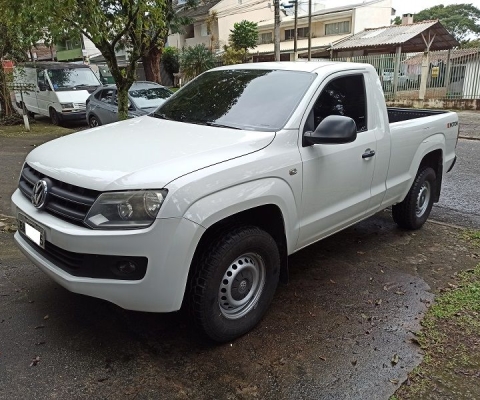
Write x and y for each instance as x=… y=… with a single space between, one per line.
x=234 y=283
x=414 y=210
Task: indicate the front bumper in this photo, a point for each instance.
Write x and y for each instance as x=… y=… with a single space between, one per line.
x=168 y=244
x=72 y=116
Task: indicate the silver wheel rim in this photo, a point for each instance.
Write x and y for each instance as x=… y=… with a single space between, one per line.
x=241 y=286
x=93 y=122
x=423 y=199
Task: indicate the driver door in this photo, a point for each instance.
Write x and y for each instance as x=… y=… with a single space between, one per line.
x=337 y=178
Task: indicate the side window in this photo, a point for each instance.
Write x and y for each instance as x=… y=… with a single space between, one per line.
x=342 y=96
x=41 y=78
x=105 y=95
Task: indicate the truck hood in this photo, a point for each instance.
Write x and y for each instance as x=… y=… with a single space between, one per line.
x=141 y=153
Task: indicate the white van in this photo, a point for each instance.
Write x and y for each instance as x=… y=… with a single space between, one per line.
x=60 y=89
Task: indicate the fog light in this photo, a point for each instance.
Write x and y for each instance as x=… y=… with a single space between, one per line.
x=125 y=268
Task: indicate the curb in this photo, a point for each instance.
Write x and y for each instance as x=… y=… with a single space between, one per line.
x=468 y=137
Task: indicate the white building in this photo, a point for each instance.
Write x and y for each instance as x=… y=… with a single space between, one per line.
x=329 y=25
x=227 y=13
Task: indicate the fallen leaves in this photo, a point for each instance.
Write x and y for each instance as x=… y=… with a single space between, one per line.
x=35 y=361
x=395 y=359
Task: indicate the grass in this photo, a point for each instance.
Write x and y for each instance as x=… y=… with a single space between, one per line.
x=450 y=338
x=472 y=236
x=39 y=127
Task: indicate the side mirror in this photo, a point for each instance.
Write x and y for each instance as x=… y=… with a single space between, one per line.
x=42 y=86
x=334 y=129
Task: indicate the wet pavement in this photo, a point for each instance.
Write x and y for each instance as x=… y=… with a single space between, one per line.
x=341 y=329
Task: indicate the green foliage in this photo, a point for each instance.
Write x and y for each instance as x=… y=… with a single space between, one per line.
x=135 y=25
x=244 y=35
x=171 y=60
x=469 y=44
x=20 y=27
x=195 y=60
x=233 y=56
x=461 y=20
x=396 y=21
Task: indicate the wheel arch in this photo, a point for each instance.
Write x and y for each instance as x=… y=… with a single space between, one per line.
x=267 y=217
x=430 y=153
x=434 y=160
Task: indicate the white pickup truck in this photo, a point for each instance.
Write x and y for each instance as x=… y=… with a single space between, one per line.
x=202 y=202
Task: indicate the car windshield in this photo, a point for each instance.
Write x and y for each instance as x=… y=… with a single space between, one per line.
x=149 y=96
x=247 y=99
x=69 y=78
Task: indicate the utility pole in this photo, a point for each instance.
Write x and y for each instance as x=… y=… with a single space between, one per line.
x=276 y=32
x=295 y=34
x=309 y=30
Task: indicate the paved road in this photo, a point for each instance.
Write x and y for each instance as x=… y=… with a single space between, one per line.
x=460 y=199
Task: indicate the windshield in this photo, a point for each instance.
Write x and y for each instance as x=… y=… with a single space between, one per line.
x=149 y=96
x=70 y=78
x=245 y=99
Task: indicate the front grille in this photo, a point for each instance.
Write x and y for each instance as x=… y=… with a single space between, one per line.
x=90 y=265
x=66 y=201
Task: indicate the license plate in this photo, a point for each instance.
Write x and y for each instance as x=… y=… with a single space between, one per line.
x=32 y=230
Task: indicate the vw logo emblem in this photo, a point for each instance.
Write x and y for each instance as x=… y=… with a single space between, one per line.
x=40 y=193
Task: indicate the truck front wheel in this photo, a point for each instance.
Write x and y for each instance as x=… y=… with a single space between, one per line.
x=414 y=210
x=234 y=283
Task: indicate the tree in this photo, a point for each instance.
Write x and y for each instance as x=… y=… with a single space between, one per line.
x=195 y=60
x=20 y=28
x=172 y=23
x=171 y=60
x=396 y=21
x=233 y=56
x=475 y=43
x=244 y=35
x=461 y=20
x=135 y=25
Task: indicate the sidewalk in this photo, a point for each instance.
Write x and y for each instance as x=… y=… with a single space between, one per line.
x=469 y=124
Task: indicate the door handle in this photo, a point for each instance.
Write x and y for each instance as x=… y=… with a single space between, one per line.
x=368 y=153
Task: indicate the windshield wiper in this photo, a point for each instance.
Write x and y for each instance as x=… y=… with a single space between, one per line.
x=210 y=123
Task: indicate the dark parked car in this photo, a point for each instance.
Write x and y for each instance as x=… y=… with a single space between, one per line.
x=144 y=97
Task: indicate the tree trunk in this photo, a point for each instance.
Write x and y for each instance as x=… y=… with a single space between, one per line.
x=151 y=64
x=122 y=97
x=6 y=107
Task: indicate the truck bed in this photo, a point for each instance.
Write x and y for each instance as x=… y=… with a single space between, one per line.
x=404 y=114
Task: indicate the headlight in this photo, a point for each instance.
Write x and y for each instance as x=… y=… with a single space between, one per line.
x=67 y=105
x=125 y=210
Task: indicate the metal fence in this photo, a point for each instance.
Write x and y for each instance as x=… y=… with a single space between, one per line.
x=448 y=74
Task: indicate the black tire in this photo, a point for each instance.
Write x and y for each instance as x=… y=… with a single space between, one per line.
x=54 y=117
x=414 y=210
x=231 y=271
x=93 y=121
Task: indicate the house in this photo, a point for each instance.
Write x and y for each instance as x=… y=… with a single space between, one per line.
x=220 y=15
x=329 y=25
x=454 y=70
x=75 y=48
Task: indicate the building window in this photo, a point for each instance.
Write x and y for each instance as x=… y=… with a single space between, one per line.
x=301 y=33
x=203 y=30
x=337 y=28
x=264 y=38
x=189 y=31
